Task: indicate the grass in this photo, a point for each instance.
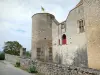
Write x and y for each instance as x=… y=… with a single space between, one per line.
x=17 y=64
x=31 y=69
x=28 y=71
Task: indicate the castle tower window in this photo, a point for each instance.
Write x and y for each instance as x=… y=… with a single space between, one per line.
x=38 y=53
x=64 y=39
x=81 y=26
x=50 y=54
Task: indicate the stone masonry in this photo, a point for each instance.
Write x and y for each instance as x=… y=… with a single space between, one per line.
x=47 y=34
x=81 y=43
x=58 y=69
x=41 y=35
x=92 y=20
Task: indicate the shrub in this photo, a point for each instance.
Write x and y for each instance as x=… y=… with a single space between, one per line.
x=2 y=56
x=32 y=69
x=17 y=64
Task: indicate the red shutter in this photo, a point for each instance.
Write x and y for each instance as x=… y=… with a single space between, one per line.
x=64 y=41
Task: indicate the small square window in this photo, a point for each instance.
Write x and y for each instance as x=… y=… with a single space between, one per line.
x=62 y=26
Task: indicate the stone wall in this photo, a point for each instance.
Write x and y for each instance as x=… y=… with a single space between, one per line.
x=75 y=51
x=56 y=69
x=92 y=20
x=12 y=58
x=25 y=63
x=41 y=34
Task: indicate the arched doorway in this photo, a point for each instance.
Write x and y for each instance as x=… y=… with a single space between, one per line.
x=64 y=41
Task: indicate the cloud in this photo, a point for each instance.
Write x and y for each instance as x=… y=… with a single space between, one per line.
x=26 y=8
x=15 y=17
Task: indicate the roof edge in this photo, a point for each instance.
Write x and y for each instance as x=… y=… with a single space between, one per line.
x=45 y=13
x=79 y=4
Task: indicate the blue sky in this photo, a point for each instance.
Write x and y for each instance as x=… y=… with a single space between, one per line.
x=16 y=22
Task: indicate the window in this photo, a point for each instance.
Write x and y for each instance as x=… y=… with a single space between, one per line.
x=50 y=50
x=81 y=26
x=64 y=39
x=62 y=26
x=50 y=54
x=38 y=53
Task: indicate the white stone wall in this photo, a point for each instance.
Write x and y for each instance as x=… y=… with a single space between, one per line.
x=12 y=58
x=76 y=42
x=74 y=52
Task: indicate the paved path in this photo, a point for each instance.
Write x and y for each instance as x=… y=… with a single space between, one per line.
x=7 y=69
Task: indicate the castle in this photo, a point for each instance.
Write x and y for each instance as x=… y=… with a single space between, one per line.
x=75 y=41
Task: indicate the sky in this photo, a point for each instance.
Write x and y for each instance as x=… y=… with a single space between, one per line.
x=16 y=21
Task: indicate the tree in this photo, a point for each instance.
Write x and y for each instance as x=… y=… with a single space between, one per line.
x=28 y=54
x=12 y=47
x=2 y=56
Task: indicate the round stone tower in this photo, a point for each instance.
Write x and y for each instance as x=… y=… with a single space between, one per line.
x=41 y=35
x=92 y=20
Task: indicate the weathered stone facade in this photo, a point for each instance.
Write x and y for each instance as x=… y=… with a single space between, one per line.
x=81 y=30
x=41 y=36
x=75 y=50
x=46 y=29
x=92 y=20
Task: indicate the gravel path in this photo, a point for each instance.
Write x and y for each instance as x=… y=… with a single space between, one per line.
x=7 y=69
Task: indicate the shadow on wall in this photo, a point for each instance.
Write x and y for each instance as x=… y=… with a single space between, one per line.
x=81 y=58
x=58 y=58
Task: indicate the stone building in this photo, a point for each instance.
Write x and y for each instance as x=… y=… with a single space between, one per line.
x=68 y=42
x=92 y=21
x=42 y=36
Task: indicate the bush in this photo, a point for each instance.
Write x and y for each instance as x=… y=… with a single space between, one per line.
x=2 y=56
x=32 y=69
x=17 y=64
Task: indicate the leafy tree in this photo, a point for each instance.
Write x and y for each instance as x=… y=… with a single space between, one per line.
x=28 y=54
x=12 y=47
x=2 y=56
